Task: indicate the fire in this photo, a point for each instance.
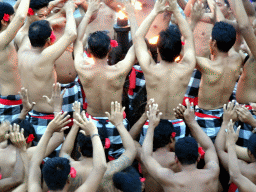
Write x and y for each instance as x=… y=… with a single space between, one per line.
x=121 y=15
x=137 y=5
x=153 y=40
x=177 y=59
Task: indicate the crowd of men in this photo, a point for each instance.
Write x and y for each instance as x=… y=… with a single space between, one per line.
x=79 y=115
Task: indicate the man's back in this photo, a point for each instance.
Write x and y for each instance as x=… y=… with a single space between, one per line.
x=167 y=84
x=218 y=80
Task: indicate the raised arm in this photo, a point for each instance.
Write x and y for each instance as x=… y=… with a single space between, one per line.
x=189 y=47
x=210 y=157
x=197 y=11
x=99 y=159
x=140 y=45
x=243 y=183
x=54 y=51
x=126 y=159
x=57 y=124
x=12 y=29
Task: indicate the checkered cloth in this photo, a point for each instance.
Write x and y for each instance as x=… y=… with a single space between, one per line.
x=116 y=148
x=245 y=131
x=73 y=93
x=84 y=101
x=209 y=120
x=178 y=124
x=10 y=107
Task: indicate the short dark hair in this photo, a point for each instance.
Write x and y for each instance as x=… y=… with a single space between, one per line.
x=225 y=36
x=38 y=4
x=39 y=32
x=227 y=3
x=169 y=43
x=28 y=128
x=99 y=44
x=186 y=150
x=252 y=144
x=55 y=172
x=127 y=180
x=162 y=134
x=5 y=8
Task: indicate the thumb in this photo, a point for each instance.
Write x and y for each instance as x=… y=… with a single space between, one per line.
x=47 y=99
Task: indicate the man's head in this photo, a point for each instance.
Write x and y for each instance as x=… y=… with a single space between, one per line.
x=186 y=150
x=99 y=44
x=5 y=8
x=252 y=146
x=40 y=9
x=39 y=33
x=169 y=43
x=56 y=173
x=224 y=7
x=223 y=37
x=163 y=135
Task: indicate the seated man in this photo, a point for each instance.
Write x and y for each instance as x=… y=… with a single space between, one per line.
x=36 y=65
x=102 y=83
x=86 y=150
x=57 y=171
x=10 y=102
x=219 y=77
x=167 y=82
x=186 y=151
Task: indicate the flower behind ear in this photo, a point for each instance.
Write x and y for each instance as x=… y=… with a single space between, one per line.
x=72 y=172
x=113 y=43
x=173 y=134
x=52 y=37
x=201 y=152
x=30 y=138
x=31 y=11
x=6 y=17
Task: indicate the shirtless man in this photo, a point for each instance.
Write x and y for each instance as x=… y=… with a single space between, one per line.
x=186 y=151
x=36 y=65
x=85 y=148
x=10 y=102
x=102 y=83
x=167 y=81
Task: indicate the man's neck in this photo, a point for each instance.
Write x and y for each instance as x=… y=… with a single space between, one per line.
x=101 y=62
x=189 y=168
x=218 y=54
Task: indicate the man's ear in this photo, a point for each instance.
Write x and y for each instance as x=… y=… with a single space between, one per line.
x=199 y=157
x=4 y=23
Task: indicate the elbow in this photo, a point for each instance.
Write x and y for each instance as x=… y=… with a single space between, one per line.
x=244 y=26
x=72 y=35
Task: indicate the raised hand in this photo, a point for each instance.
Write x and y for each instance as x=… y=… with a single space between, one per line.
x=153 y=115
x=77 y=109
x=197 y=11
x=27 y=106
x=129 y=8
x=231 y=136
x=58 y=124
x=179 y=111
x=116 y=116
x=244 y=115
x=172 y=5
x=5 y=127
x=160 y=6
x=57 y=97
x=69 y=5
x=17 y=137
x=94 y=6
x=230 y=111
x=189 y=114
x=87 y=125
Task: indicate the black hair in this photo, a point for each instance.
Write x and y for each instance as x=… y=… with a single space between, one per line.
x=55 y=172
x=252 y=144
x=225 y=36
x=39 y=32
x=186 y=150
x=28 y=128
x=127 y=180
x=5 y=8
x=38 y=4
x=162 y=134
x=169 y=43
x=99 y=44
x=227 y=3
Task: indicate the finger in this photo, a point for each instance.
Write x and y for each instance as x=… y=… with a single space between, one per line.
x=187 y=103
x=22 y=131
x=58 y=89
x=238 y=130
x=123 y=109
x=84 y=116
x=229 y=104
x=78 y=123
x=64 y=128
x=159 y=115
x=65 y=119
x=47 y=99
x=108 y=115
x=112 y=107
x=63 y=92
x=33 y=104
x=225 y=107
x=116 y=106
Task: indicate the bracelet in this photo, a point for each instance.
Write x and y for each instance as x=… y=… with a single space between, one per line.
x=95 y=135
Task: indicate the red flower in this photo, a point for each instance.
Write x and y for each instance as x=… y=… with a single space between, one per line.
x=173 y=134
x=113 y=43
x=201 y=152
x=6 y=17
x=0 y=176
x=107 y=143
x=142 y=179
x=30 y=138
x=30 y=11
x=72 y=172
x=88 y=54
x=182 y=43
x=52 y=37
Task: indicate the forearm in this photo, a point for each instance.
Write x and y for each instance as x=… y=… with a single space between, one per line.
x=241 y=16
x=113 y=4
x=15 y=7
x=83 y=25
x=99 y=159
x=220 y=140
x=55 y=141
x=24 y=157
x=234 y=169
x=147 y=147
x=183 y=24
x=136 y=128
x=23 y=8
x=187 y=10
x=182 y=4
x=249 y=8
x=70 y=28
x=23 y=114
x=68 y=144
x=134 y=25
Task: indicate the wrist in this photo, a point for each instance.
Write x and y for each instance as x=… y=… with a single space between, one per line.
x=253 y=123
x=94 y=132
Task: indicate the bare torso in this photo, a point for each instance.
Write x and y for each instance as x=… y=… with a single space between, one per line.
x=102 y=85
x=7 y=159
x=9 y=74
x=37 y=77
x=246 y=87
x=218 y=83
x=167 y=84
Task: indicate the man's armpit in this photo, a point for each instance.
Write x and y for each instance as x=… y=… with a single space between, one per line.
x=76 y=183
x=212 y=165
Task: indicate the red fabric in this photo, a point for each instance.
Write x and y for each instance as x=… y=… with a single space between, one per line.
x=10 y=102
x=194 y=100
x=132 y=81
x=83 y=95
x=206 y=116
x=51 y=116
x=110 y=158
x=232 y=187
x=139 y=168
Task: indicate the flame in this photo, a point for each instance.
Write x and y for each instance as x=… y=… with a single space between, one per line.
x=137 y=5
x=153 y=40
x=121 y=15
x=177 y=59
